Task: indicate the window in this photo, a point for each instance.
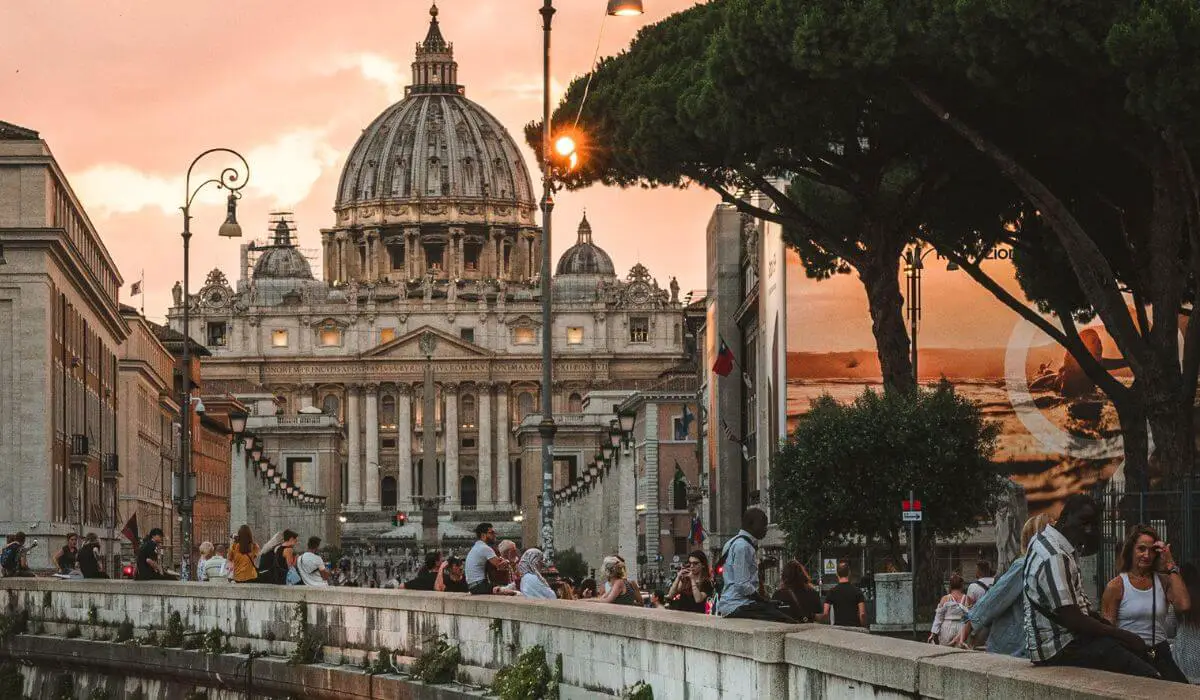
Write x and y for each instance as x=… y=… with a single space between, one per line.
x=678 y=334
x=574 y=336
x=396 y=252
x=387 y=493
x=331 y=406
x=468 y=442
x=471 y=255
x=524 y=405
x=467 y=408
x=279 y=338
x=467 y=334
x=216 y=334
x=388 y=443
x=679 y=495
x=639 y=329
x=681 y=547
x=466 y=493
x=523 y=336
x=387 y=335
x=329 y=336
x=575 y=404
x=387 y=412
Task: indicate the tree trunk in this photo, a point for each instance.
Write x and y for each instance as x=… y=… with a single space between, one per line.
x=1136 y=444
x=880 y=277
x=1171 y=427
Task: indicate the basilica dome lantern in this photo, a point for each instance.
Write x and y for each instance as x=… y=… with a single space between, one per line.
x=583 y=269
x=435 y=187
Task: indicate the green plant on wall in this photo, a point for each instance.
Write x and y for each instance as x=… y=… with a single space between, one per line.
x=93 y=615
x=308 y=641
x=529 y=677
x=639 y=691
x=438 y=663
x=384 y=663
x=100 y=693
x=214 y=642
x=15 y=622
x=173 y=637
x=124 y=631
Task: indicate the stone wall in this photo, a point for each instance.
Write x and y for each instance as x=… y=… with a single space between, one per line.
x=604 y=649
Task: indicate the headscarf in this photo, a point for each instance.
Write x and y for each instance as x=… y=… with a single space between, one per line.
x=531 y=563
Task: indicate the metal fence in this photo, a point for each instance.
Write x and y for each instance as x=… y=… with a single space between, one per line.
x=1174 y=514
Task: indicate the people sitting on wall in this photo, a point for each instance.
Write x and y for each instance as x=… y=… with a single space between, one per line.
x=587 y=589
x=149 y=567
x=796 y=595
x=243 y=555
x=13 y=560
x=692 y=587
x=481 y=556
x=91 y=562
x=65 y=558
x=533 y=583
x=310 y=567
x=618 y=588
x=427 y=577
x=740 y=596
x=505 y=575
x=453 y=577
x=215 y=569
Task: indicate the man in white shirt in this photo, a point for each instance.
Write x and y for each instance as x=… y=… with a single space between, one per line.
x=215 y=569
x=311 y=566
x=477 y=560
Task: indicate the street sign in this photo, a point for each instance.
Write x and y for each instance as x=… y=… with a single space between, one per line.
x=830 y=566
x=911 y=516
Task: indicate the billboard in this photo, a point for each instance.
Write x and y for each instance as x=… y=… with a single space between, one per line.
x=1060 y=435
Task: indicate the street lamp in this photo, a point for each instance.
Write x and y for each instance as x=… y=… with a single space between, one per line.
x=914 y=264
x=233 y=181
x=547 y=428
x=237 y=423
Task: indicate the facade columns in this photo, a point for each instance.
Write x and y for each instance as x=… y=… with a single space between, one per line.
x=404 y=484
x=410 y=262
x=450 y=419
x=502 y=432
x=238 y=486
x=371 y=492
x=485 y=498
x=354 y=464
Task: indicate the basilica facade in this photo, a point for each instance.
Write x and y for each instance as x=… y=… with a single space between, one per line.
x=422 y=338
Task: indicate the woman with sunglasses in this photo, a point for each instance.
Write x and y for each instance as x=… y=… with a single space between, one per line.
x=693 y=586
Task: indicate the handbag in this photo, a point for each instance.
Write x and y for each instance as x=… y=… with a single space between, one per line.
x=293 y=577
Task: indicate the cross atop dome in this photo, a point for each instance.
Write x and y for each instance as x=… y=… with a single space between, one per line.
x=585 y=231
x=434 y=68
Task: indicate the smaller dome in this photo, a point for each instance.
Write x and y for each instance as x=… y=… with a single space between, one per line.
x=281 y=260
x=585 y=257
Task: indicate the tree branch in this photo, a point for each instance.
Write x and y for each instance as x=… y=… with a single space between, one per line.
x=1067 y=337
x=1191 y=339
x=1094 y=274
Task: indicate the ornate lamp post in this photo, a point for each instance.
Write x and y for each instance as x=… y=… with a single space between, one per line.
x=914 y=264
x=565 y=149
x=233 y=180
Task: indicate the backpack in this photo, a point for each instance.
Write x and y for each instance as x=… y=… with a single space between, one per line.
x=272 y=567
x=719 y=569
x=9 y=558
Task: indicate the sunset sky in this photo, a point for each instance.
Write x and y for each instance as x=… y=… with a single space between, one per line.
x=127 y=92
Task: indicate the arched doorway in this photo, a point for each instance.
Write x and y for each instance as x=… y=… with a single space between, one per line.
x=466 y=493
x=387 y=493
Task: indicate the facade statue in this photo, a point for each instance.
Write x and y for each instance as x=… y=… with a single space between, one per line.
x=427 y=286
x=452 y=290
x=674 y=291
x=352 y=293
x=177 y=293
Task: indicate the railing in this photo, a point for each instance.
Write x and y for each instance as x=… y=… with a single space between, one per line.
x=301 y=419
x=1174 y=514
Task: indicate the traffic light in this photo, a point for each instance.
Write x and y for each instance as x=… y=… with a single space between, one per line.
x=399 y=519
x=127 y=571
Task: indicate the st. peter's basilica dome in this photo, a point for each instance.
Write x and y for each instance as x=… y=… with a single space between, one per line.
x=435 y=144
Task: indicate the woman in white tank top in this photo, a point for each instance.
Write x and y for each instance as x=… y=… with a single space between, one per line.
x=1137 y=600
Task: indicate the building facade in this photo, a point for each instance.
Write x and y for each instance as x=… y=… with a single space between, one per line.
x=147 y=432
x=423 y=338
x=59 y=354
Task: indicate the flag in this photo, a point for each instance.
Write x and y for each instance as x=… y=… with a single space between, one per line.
x=130 y=531
x=724 y=363
x=698 y=535
x=135 y=288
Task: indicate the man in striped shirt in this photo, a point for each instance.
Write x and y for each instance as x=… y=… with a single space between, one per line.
x=1060 y=629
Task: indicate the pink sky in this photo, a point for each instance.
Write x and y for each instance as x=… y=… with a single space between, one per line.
x=127 y=92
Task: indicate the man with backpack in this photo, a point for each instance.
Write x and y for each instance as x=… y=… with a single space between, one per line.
x=738 y=568
x=275 y=562
x=12 y=558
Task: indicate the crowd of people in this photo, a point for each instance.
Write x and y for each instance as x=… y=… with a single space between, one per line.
x=1037 y=608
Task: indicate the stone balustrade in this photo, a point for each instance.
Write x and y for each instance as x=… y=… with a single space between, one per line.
x=603 y=648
